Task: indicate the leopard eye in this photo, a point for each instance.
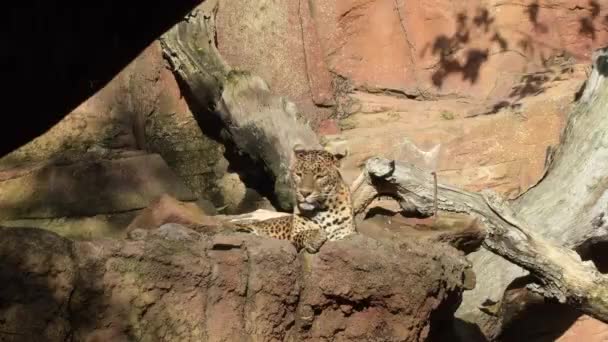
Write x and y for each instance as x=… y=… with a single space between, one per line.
x=298 y=174
x=319 y=176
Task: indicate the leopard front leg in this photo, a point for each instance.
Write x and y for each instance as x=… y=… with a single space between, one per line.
x=310 y=239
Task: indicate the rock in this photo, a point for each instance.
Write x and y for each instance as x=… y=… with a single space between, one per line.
x=166 y=210
x=95 y=197
x=191 y=289
x=90 y=186
x=290 y=58
x=505 y=151
x=585 y=329
x=328 y=127
x=473 y=49
x=374 y=298
x=137 y=234
x=175 y=232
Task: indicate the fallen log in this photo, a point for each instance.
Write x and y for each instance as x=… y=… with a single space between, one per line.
x=561 y=273
x=261 y=124
x=568 y=204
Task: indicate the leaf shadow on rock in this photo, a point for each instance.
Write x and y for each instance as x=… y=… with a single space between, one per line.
x=459 y=53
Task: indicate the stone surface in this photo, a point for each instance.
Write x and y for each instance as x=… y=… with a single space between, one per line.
x=168 y=210
x=94 y=195
x=90 y=186
x=177 y=285
x=328 y=127
x=475 y=49
x=281 y=47
x=585 y=329
x=475 y=58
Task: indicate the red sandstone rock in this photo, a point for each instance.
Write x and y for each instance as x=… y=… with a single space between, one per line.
x=472 y=49
x=586 y=329
x=167 y=209
x=178 y=287
x=328 y=127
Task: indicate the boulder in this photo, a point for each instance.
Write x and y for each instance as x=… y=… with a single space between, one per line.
x=174 y=284
x=167 y=209
x=93 y=195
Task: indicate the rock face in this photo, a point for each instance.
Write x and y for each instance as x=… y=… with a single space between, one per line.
x=174 y=284
x=490 y=81
x=503 y=151
x=474 y=49
x=94 y=195
x=585 y=329
x=142 y=109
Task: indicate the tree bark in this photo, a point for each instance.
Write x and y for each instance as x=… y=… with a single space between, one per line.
x=261 y=124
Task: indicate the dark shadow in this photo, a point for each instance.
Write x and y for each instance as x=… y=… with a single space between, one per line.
x=465 y=332
x=601 y=65
x=595 y=249
x=528 y=316
x=379 y=211
x=530 y=85
x=442 y=321
x=598 y=254
x=54 y=57
x=483 y=19
x=532 y=12
x=587 y=28
x=540 y=323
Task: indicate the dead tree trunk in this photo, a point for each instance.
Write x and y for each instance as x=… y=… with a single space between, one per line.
x=261 y=124
x=562 y=273
x=538 y=231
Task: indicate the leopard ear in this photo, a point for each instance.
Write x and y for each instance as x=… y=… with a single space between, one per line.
x=338 y=149
x=297 y=148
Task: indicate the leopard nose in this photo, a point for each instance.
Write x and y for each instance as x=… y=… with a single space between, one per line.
x=305 y=192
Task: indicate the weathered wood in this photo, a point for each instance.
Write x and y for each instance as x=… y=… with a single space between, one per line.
x=561 y=272
x=567 y=205
x=264 y=126
x=261 y=124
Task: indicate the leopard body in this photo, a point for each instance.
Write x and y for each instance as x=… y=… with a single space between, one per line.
x=323 y=209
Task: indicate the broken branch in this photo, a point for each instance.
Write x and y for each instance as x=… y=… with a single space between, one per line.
x=561 y=272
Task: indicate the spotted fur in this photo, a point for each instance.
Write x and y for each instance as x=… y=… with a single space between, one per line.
x=323 y=208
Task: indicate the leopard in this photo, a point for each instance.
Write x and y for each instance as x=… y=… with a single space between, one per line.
x=323 y=209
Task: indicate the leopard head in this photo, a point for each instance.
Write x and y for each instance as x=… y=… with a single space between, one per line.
x=316 y=176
